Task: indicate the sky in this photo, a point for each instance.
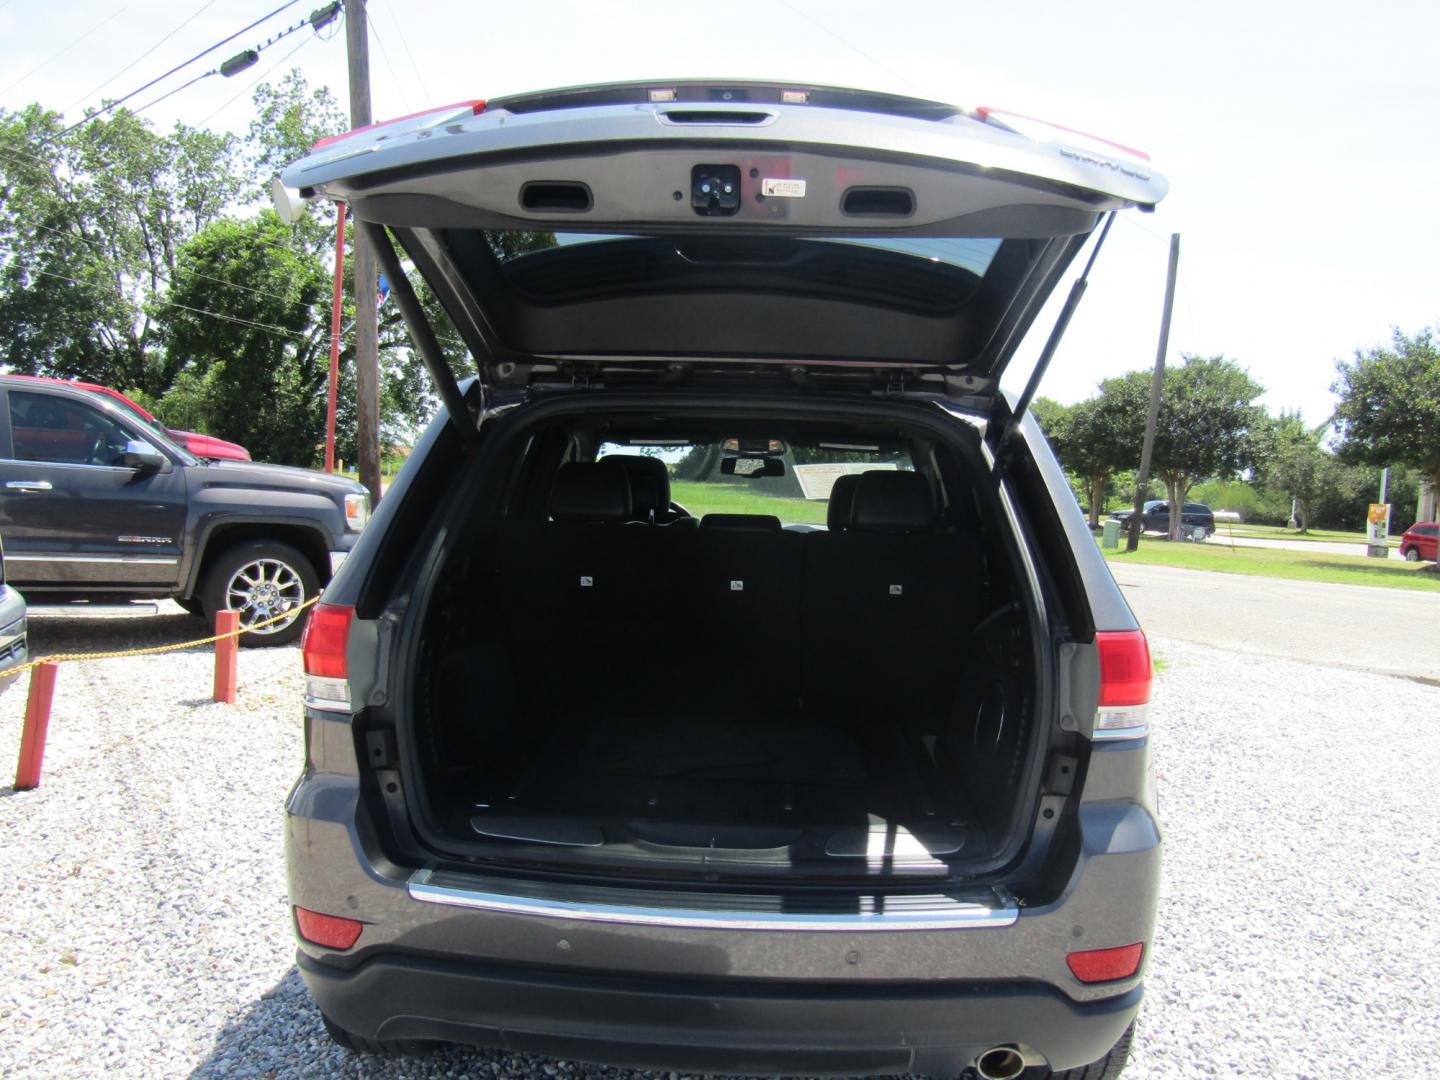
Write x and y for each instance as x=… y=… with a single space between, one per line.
x=1299 y=139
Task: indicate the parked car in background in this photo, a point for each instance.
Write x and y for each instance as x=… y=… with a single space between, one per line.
x=96 y=504
x=587 y=776
x=1197 y=520
x=14 y=641
x=205 y=446
x=1419 y=542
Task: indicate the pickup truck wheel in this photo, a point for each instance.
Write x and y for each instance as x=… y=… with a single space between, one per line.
x=261 y=579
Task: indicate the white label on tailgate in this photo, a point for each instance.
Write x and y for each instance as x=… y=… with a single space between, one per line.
x=783 y=188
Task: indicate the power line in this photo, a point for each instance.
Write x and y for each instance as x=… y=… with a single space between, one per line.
x=88 y=95
x=259 y=78
x=419 y=76
x=850 y=44
x=271 y=328
x=177 y=67
x=95 y=245
x=404 y=97
x=162 y=97
x=98 y=247
x=56 y=56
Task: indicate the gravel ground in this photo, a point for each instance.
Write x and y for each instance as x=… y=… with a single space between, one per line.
x=145 y=930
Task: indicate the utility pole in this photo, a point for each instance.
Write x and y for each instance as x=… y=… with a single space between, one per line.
x=367 y=344
x=1142 y=481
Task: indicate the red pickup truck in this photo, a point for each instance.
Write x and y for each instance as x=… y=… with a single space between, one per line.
x=205 y=446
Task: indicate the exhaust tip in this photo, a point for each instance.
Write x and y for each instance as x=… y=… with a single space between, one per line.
x=1000 y=1063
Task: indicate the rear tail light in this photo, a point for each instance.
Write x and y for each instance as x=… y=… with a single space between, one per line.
x=1106 y=965
x=326 y=637
x=331 y=931
x=1125 y=675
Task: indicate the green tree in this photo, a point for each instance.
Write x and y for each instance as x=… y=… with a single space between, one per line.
x=290 y=117
x=1208 y=425
x=1389 y=409
x=91 y=225
x=1096 y=438
x=1294 y=462
x=256 y=370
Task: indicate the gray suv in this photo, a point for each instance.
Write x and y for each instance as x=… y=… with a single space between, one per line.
x=729 y=681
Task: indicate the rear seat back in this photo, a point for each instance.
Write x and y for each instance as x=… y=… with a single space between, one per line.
x=887 y=605
x=739 y=617
x=739 y=578
x=574 y=586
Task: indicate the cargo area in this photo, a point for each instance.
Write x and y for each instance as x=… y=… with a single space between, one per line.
x=614 y=679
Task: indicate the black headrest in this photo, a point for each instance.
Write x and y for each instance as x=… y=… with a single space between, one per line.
x=892 y=500
x=842 y=502
x=649 y=483
x=741 y=522
x=590 y=491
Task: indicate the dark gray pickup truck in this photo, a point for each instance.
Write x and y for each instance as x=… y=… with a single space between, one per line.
x=96 y=505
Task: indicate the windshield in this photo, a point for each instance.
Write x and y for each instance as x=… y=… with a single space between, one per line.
x=798 y=494
x=152 y=433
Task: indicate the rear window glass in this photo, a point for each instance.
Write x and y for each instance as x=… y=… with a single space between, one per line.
x=796 y=488
x=965 y=252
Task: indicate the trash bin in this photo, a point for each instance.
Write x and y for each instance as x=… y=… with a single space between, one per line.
x=1110 y=534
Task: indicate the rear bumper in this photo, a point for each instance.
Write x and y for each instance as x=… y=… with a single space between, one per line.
x=570 y=975
x=714 y=1026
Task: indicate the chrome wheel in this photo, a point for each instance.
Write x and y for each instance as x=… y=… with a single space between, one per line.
x=1412 y=555
x=264 y=589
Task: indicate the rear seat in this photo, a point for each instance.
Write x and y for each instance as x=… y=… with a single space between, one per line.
x=739 y=617
x=740 y=576
x=841 y=501
x=573 y=586
x=650 y=490
x=887 y=604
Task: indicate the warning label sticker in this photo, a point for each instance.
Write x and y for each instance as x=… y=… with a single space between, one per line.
x=783 y=188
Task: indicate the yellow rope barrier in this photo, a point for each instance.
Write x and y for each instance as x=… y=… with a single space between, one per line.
x=153 y=650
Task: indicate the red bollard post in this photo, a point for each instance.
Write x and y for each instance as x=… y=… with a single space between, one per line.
x=226 y=650
x=37 y=724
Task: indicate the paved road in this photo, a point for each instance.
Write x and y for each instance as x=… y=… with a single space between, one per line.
x=1390 y=631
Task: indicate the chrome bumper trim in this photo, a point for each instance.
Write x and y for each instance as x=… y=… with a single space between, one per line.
x=989 y=909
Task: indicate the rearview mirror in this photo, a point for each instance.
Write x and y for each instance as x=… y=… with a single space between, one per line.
x=142 y=456
x=751 y=468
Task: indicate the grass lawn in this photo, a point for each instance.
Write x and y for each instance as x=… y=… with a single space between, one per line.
x=1280 y=563
x=702 y=499
x=1277 y=532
